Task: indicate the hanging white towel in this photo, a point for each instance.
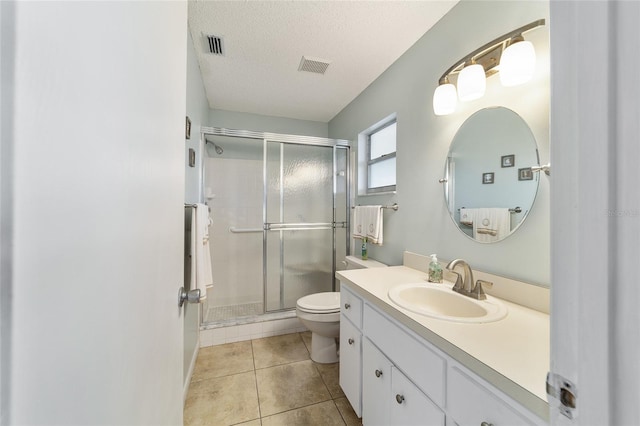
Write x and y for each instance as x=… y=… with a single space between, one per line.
x=359 y=226
x=203 y=272
x=466 y=216
x=491 y=224
x=374 y=224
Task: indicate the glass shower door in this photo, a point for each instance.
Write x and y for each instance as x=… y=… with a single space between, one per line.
x=298 y=222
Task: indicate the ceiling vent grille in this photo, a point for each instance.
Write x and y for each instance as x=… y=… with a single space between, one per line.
x=316 y=65
x=215 y=44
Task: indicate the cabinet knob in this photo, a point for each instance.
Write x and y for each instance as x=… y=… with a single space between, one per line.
x=486 y=424
x=378 y=373
x=350 y=341
x=399 y=398
x=346 y=306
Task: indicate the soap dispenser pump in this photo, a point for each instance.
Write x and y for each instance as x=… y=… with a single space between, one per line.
x=435 y=270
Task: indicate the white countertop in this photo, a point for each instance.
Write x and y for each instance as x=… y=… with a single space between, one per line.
x=512 y=354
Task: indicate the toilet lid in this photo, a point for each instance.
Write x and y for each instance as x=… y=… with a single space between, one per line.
x=320 y=302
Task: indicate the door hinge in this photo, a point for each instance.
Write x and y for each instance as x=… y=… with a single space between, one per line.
x=563 y=394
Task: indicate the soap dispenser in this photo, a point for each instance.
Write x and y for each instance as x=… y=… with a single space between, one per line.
x=435 y=270
x=364 y=249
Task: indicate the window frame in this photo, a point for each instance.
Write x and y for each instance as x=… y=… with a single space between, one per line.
x=384 y=157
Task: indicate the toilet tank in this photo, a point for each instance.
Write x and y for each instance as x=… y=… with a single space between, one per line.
x=353 y=262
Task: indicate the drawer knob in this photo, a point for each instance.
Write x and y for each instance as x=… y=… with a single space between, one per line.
x=399 y=398
x=486 y=424
x=346 y=306
x=350 y=341
x=378 y=373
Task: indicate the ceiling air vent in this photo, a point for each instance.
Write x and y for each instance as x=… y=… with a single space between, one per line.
x=215 y=44
x=316 y=65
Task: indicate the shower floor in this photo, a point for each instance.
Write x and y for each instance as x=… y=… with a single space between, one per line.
x=222 y=313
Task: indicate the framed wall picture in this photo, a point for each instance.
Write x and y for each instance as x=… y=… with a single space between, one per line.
x=525 y=174
x=508 y=160
x=192 y=157
x=487 y=178
x=188 y=128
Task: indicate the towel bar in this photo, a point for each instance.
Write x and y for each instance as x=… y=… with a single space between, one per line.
x=513 y=210
x=393 y=207
x=235 y=230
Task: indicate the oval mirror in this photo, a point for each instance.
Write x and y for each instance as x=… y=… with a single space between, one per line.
x=489 y=186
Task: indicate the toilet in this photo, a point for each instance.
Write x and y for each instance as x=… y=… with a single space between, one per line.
x=320 y=313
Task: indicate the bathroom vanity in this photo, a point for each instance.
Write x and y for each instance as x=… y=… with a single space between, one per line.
x=400 y=367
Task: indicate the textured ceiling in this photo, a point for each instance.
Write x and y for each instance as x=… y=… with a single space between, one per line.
x=264 y=42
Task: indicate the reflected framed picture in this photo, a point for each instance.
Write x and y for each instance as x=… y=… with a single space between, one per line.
x=487 y=178
x=187 y=127
x=508 y=160
x=525 y=174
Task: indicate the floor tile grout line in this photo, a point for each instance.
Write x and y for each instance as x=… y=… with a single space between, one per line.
x=299 y=408
x=340 y=412
x=255 y=376
x=224 y=375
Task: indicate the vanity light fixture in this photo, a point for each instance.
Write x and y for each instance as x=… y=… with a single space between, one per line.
x=472 y=82
x=445 y=98
x=510 y=54
x=518 y=62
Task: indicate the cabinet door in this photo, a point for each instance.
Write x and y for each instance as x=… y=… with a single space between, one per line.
x=479 y=405
x=376 y=385
x=351 y=363
x=409 y=406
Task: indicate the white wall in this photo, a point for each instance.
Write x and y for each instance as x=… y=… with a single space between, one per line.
x=98 y=216
x=422 y=223
x=6 y=194
x=266 y=123
x=198 y=113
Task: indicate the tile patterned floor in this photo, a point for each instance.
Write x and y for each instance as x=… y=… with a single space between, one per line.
x=266 y=382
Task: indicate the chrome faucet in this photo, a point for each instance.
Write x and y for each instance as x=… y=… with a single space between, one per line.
x=463 y=287
x=466 y=287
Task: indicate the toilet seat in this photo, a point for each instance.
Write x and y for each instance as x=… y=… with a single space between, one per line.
x=319 y=303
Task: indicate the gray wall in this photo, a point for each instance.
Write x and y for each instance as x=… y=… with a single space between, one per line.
x=265 y=123
x=422 y=224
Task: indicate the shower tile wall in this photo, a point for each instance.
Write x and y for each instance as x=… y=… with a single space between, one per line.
x=234 y=191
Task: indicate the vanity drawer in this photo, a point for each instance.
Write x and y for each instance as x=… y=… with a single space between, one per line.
x=351 y=306
x=471 y=403
x=425 y=367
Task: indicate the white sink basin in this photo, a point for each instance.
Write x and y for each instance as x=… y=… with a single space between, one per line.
x=439 y=301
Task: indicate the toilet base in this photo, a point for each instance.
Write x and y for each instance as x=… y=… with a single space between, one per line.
x=323 y=349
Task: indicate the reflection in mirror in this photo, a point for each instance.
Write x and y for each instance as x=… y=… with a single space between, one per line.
x=489 y=186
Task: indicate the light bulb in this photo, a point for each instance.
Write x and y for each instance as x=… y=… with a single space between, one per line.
x=445 y=99
x=517 y=63
x=472 y=82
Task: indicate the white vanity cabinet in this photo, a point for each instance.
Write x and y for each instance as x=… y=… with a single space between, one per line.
x=389 y=398
x=480 y=404
x=392 y=376
x=351 y=348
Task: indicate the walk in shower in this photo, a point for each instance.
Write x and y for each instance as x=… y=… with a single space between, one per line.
x=280 y=220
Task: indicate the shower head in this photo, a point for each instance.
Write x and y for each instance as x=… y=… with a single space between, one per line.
x=218 y=148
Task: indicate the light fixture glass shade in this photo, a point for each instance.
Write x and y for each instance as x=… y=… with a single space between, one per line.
x=517 y=63
x=472 y=83
x=445 y=99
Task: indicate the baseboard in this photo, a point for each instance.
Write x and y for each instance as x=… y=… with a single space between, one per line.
x=187 y=381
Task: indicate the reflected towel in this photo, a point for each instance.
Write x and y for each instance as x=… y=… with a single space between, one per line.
x=200 y=234
x=491 y=224
x=466 y=216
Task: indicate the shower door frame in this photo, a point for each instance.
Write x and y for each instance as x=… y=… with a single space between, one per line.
x=266 y=137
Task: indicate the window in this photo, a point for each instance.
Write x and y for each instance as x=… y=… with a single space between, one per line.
x=381 y=159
